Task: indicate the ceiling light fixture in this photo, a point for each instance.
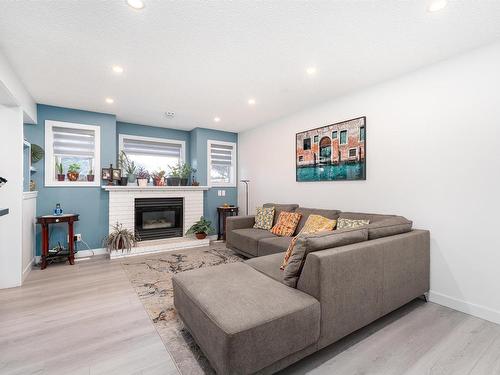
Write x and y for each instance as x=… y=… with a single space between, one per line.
x=311 y=70
x=216 y=119
x=437 y=5
x=251 y=101
x=117 y=69
x=136 y=4
x=110 y=100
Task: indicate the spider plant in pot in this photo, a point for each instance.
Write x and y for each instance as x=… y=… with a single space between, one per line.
x=60 y=171
x=185 y=171
x=174 y=177
x=73 y=172
x=201 y=228
x=120 y=238
x=142 y=176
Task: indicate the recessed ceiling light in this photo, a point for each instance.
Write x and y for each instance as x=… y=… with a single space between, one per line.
x=311 y=70
x=251 y=101
x=437 y=5
x=117 y=69
x=110 y=100
x=136 y=4
x=216 y=119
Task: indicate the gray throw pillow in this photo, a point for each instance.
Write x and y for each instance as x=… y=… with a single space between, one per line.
x=314 y=242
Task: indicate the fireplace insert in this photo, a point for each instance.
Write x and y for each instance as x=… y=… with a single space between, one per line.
x=157 y=218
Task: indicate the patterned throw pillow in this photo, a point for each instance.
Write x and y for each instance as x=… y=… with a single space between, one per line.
x=351 y=223
x=286 y=224
x=264 y=218
x=314 y=223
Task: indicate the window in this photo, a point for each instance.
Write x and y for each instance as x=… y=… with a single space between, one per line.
x=153 y=154
x=72 y=146
x=301 y=158
x=221 y=158
x=334 y=134
x=343 y=137
x=316 y=139
x=353 y=152
x=362 y=133
x=307 y=143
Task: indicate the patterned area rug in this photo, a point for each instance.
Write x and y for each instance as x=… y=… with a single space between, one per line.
x=151 y=276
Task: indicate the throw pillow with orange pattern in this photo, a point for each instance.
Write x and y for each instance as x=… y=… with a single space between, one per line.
x=314 y=223
x=286 y=224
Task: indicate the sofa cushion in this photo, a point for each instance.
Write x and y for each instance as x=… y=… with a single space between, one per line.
x=388 y=227
x=273 y=245
x=373 y=218
x=291 y=207
x=247 y=239
x=286 y=225
x=314 y=242
x=269 y=265
x=351 y=223
x=264 y=217
x=264 y=322
x=329 y=214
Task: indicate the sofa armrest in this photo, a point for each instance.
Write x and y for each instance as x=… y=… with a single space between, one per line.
x=239 y=222
x=357 y=284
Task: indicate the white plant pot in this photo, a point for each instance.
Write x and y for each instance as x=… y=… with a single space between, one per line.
x=142 y=182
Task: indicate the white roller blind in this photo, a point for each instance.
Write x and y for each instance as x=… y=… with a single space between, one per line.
x=73 y=142
x=146 y=147
x=221 y=154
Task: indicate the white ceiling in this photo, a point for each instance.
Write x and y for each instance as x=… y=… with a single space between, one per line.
x=206 y=59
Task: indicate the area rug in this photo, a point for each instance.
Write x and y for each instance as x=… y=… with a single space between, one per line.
x=151 y=277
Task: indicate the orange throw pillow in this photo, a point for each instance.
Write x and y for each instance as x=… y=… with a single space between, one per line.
x=286 y=224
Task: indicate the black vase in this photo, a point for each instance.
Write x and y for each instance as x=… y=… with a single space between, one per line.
x=184 y=181
x=124 y=181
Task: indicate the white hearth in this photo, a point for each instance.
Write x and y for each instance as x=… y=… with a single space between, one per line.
x=122 y=210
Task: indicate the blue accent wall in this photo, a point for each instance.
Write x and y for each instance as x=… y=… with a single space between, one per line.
x=90 y=202
x=199 y=138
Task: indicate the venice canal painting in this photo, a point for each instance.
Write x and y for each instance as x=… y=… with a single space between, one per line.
x=333 y=152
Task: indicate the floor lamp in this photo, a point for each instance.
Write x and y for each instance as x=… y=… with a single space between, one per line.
x=246 y=194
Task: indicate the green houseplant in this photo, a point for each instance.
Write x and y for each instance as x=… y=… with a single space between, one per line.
x=142 y=176
x=90 y=175
x=185 y=171
x=73 y=172
x=174 y=177
x=159 y=178
x=120 y=239
x=201 y=228
x=60 y=171
x=128 y=166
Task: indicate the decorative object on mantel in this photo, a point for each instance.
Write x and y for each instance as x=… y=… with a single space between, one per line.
x=174 y=177
x=128 y=166
x=201 y=228
x=333 y=152
x=120 y=239
x=159 y=178
x=222 y=214
x=111 y=174
x=185 y=172
x=246 y=195
x=142 y=176
x=60 y=172
x=193 y=178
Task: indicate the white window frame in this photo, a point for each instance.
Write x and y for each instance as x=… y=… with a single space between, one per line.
x=121 y=137
x=49 y=155
x=232 y=182
x=349 y=151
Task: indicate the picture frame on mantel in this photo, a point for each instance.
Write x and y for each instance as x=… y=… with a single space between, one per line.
x=335 y=152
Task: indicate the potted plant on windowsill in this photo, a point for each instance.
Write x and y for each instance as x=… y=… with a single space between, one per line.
x=201 y=228
x=185 y=172
x=90 y=176
x=73 y=172
x=60 y=172
x=142 y=177
x=159 y=178
x=120 y=239
x=174 y=177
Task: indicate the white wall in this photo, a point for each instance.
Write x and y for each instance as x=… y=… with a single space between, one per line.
x=433 y=155
x=28 y=236
x=11 y=195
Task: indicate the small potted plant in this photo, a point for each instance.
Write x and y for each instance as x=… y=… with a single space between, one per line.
x=201 y=228
x=159 y=178
x=128 y=166
x=90 y=175
x=120 y=239
x=185 y=172
x=174 y=178
x=60 y=172
x=73 y=172
x=142 y=176
x=193 y=179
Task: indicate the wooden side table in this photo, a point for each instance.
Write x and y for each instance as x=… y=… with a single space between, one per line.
x=44 y=221
x=223 y=213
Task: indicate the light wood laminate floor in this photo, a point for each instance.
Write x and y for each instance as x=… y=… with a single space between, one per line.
x=87 y=319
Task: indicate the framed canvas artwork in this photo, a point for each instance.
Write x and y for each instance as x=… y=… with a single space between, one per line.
x=332 y=153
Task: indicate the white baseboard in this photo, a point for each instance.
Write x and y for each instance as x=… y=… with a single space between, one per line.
x=28 y=268
x=479 y=311
x=80 y=254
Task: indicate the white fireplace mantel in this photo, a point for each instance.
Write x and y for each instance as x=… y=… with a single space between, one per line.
x=122 y=210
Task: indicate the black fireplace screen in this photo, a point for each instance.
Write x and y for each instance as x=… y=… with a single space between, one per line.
x=157 y=218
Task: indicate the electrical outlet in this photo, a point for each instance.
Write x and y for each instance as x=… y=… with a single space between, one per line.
x=77 y=237
x=223 y=193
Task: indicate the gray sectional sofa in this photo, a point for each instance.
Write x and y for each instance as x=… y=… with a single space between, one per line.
x=246 y=320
